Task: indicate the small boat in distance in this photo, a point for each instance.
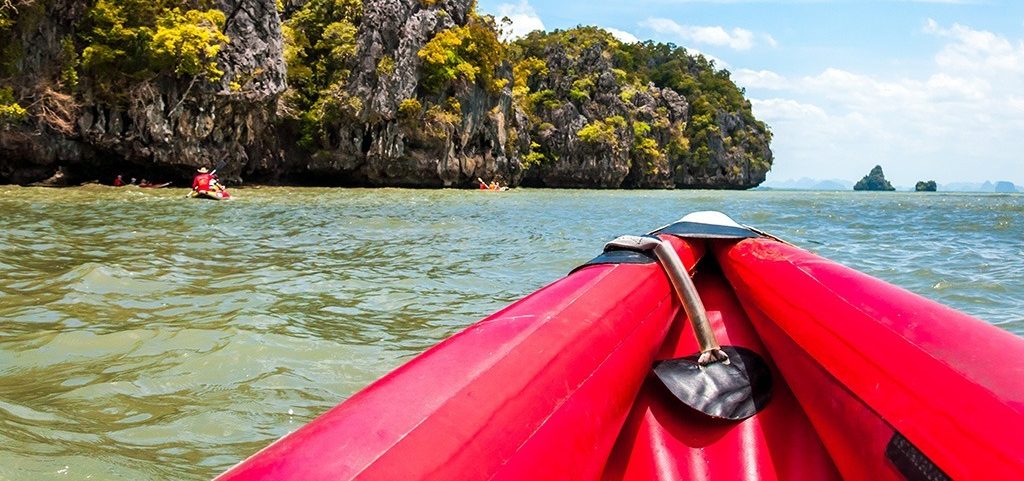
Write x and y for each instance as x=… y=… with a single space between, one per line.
x=703 y=350
x=145 y=185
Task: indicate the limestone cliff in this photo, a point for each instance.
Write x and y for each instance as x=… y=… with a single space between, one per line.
x=397 y=132
x=358 y=92
x=163 y=126
x=875 y=180
x=646 y=115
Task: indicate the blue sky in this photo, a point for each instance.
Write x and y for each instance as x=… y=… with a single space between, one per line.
x=928 y=89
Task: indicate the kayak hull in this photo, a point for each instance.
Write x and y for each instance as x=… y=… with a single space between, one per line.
x=870 y=382
x=222 y=195
x=950 y=384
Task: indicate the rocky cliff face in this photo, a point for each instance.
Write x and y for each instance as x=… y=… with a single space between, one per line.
x=163 y=126
x=875 y=180
x=599 y=124
x=581 y=116
x=379 y=145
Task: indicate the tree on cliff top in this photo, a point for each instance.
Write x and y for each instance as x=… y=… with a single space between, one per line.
x=875 y=180
x=470 y=53
x=127 y=39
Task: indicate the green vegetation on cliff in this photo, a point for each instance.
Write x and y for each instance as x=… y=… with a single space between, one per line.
x=139 y=38
x=320 y=42
x=704 y=124
x=118 y=43
x=469 y=53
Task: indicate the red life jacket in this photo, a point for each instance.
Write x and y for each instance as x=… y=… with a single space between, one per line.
x=201 y=182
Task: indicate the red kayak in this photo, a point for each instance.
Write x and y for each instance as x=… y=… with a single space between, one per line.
x=770 y=363
x=209 y=195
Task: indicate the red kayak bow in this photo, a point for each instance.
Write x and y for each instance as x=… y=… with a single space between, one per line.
x=593 y=377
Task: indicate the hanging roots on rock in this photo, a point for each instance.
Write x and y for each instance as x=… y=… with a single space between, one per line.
x=57 y=110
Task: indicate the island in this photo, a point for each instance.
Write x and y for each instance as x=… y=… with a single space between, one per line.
x=359 y=93
x=926 y=186
x=875 y=180
x=1004 y=187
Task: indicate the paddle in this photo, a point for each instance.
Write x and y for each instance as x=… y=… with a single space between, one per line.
x=220 y=165
x=722 y=382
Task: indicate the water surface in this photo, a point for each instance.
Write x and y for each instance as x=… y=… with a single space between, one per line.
x=145 y=336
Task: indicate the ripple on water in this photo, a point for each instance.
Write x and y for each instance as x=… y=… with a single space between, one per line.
x=148 y=337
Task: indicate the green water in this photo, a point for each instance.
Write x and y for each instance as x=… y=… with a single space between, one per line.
x=145 y=336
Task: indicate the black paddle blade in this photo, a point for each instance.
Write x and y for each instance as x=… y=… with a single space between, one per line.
x=733 y=391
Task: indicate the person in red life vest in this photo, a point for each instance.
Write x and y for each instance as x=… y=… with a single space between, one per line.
x=203 y=182
x=118 y=182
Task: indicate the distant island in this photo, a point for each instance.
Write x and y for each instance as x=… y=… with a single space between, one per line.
x=926 y=186
x=1005 y=187
x=875 y=181
x=987 y=186
x=807 y=183
x=359 y=93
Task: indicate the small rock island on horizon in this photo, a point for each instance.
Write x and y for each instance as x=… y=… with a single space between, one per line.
x=875 y=180
x=926 y=186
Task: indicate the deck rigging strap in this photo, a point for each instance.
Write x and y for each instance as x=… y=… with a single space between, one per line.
x=729 y=382
x=710 y=350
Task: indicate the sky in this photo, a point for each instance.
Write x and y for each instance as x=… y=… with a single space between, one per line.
x=928 y=89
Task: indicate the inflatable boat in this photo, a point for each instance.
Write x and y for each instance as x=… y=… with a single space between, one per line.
x=705 y=350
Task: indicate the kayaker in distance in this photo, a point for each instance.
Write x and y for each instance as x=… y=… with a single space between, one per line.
x=205 y=184
x=494 y=185
x=203 y=181
x=118 y=182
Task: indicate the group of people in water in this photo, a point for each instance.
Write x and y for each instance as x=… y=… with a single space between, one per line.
x=119 y=182
x=204 y=185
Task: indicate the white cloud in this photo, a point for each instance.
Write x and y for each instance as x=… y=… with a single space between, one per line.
x=736 y=38
x=764 y=79
x=958 y=120
x=787 y=110
x=524 y=19
x=976 y=49
x=621 y=35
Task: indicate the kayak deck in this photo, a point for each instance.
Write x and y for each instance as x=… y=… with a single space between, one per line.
x=665 y=440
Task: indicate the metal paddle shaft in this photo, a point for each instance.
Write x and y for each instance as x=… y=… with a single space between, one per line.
x=710 y=350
